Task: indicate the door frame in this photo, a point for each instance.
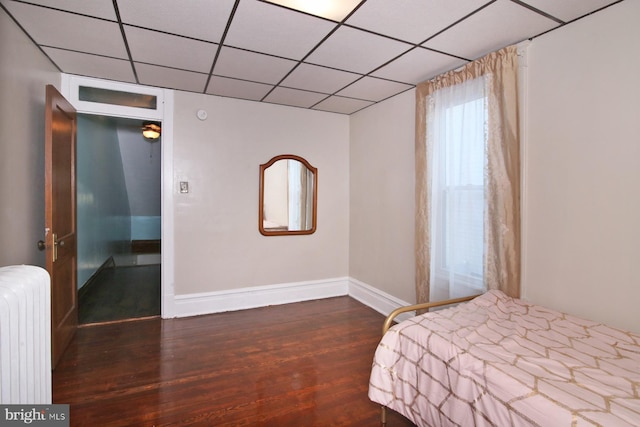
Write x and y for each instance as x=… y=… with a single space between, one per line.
x=163 y=113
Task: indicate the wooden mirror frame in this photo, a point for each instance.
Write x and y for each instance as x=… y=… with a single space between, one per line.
x=314 y=171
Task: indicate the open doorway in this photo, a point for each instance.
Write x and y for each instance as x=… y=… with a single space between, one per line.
x=118 y=220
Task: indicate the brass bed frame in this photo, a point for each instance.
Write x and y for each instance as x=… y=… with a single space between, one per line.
x=388 y=322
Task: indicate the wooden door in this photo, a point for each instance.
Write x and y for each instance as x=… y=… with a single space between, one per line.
x=60 y=218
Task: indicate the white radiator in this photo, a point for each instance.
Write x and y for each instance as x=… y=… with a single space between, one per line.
x=25 y=335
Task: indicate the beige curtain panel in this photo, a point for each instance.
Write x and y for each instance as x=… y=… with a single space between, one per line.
x=502 y=175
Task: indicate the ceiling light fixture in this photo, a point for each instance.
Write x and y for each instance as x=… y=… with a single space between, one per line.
x=151 y=130
x=335 y=10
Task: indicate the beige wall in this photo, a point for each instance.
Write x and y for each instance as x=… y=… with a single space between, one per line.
x=276 y=193
x=581 y=171
x=24 y=73
x=582 y=168
x=217 y=242
x=382 y=196
x=581 y=161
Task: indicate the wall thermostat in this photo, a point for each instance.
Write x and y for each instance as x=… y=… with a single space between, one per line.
x=202 y=114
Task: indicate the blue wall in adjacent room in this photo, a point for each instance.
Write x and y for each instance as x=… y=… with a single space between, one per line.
x=103 y=212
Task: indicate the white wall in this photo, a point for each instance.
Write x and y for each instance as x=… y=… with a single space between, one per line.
x=581 y=171
x=582 y=168
x=217 y=242
x=24 y=73
x=382 y=196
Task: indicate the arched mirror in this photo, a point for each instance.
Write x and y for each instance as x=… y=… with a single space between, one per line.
x=288 y=196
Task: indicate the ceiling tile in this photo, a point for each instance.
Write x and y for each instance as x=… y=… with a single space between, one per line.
x=200 y=19
x=235 y=88
x=53 y=28
x=319 y=79
x=338 y=104
x=86 y=64
x=373 y=89
x=361 y=54
x=500 y=24
x=411 y=20
x=172 y=51
x=335 y=10
x=418 y=65
x=355 y=50
x=294 y=97
x=252 y=66
x=98 y=8
x=153 y=75
x=265 y=28
x=567 y=10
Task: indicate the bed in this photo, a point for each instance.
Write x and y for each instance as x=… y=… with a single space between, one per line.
x=499 y=361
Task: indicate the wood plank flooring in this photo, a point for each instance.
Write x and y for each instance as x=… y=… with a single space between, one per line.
x=303 y=364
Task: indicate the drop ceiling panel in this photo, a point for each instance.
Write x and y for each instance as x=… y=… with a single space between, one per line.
x=500 y=24
x=418 y=65
x=263 y=28
x=172 y=51
x=54 y=28
x=200 y=19
x=319 y=79
x=298 y=98
x=91 y=65
x=235 y=88
x=357 y=51
x=152 y=75
x=98 y=8
x=338 y=104
x=567 y=10
x=411 y=20
x=252 y=66
x=373 y=89
x=296 y=52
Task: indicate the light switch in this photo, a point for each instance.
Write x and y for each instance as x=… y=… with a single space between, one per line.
x=184 y=186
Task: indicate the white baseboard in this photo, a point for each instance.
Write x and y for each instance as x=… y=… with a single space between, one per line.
x=262 y=296
x=378 y=300
x=254 y=297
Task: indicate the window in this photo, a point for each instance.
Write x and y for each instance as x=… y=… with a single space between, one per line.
x=468 y=180
x=458 y=140
x=95 y=96
x=117 y=97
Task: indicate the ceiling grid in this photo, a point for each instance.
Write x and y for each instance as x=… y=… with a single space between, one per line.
x=339 y=61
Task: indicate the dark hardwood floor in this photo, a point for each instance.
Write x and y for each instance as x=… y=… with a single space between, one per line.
x=303 y=364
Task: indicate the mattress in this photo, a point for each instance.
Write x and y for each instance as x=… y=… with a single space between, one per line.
x=499 y=361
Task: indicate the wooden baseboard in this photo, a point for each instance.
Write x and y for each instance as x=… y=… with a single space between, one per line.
x=145 y=246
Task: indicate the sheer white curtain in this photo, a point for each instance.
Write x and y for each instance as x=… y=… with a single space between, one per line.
x=456 y=157
x=468 y=180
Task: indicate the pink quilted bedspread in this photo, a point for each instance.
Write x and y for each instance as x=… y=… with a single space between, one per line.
x=499 y=361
